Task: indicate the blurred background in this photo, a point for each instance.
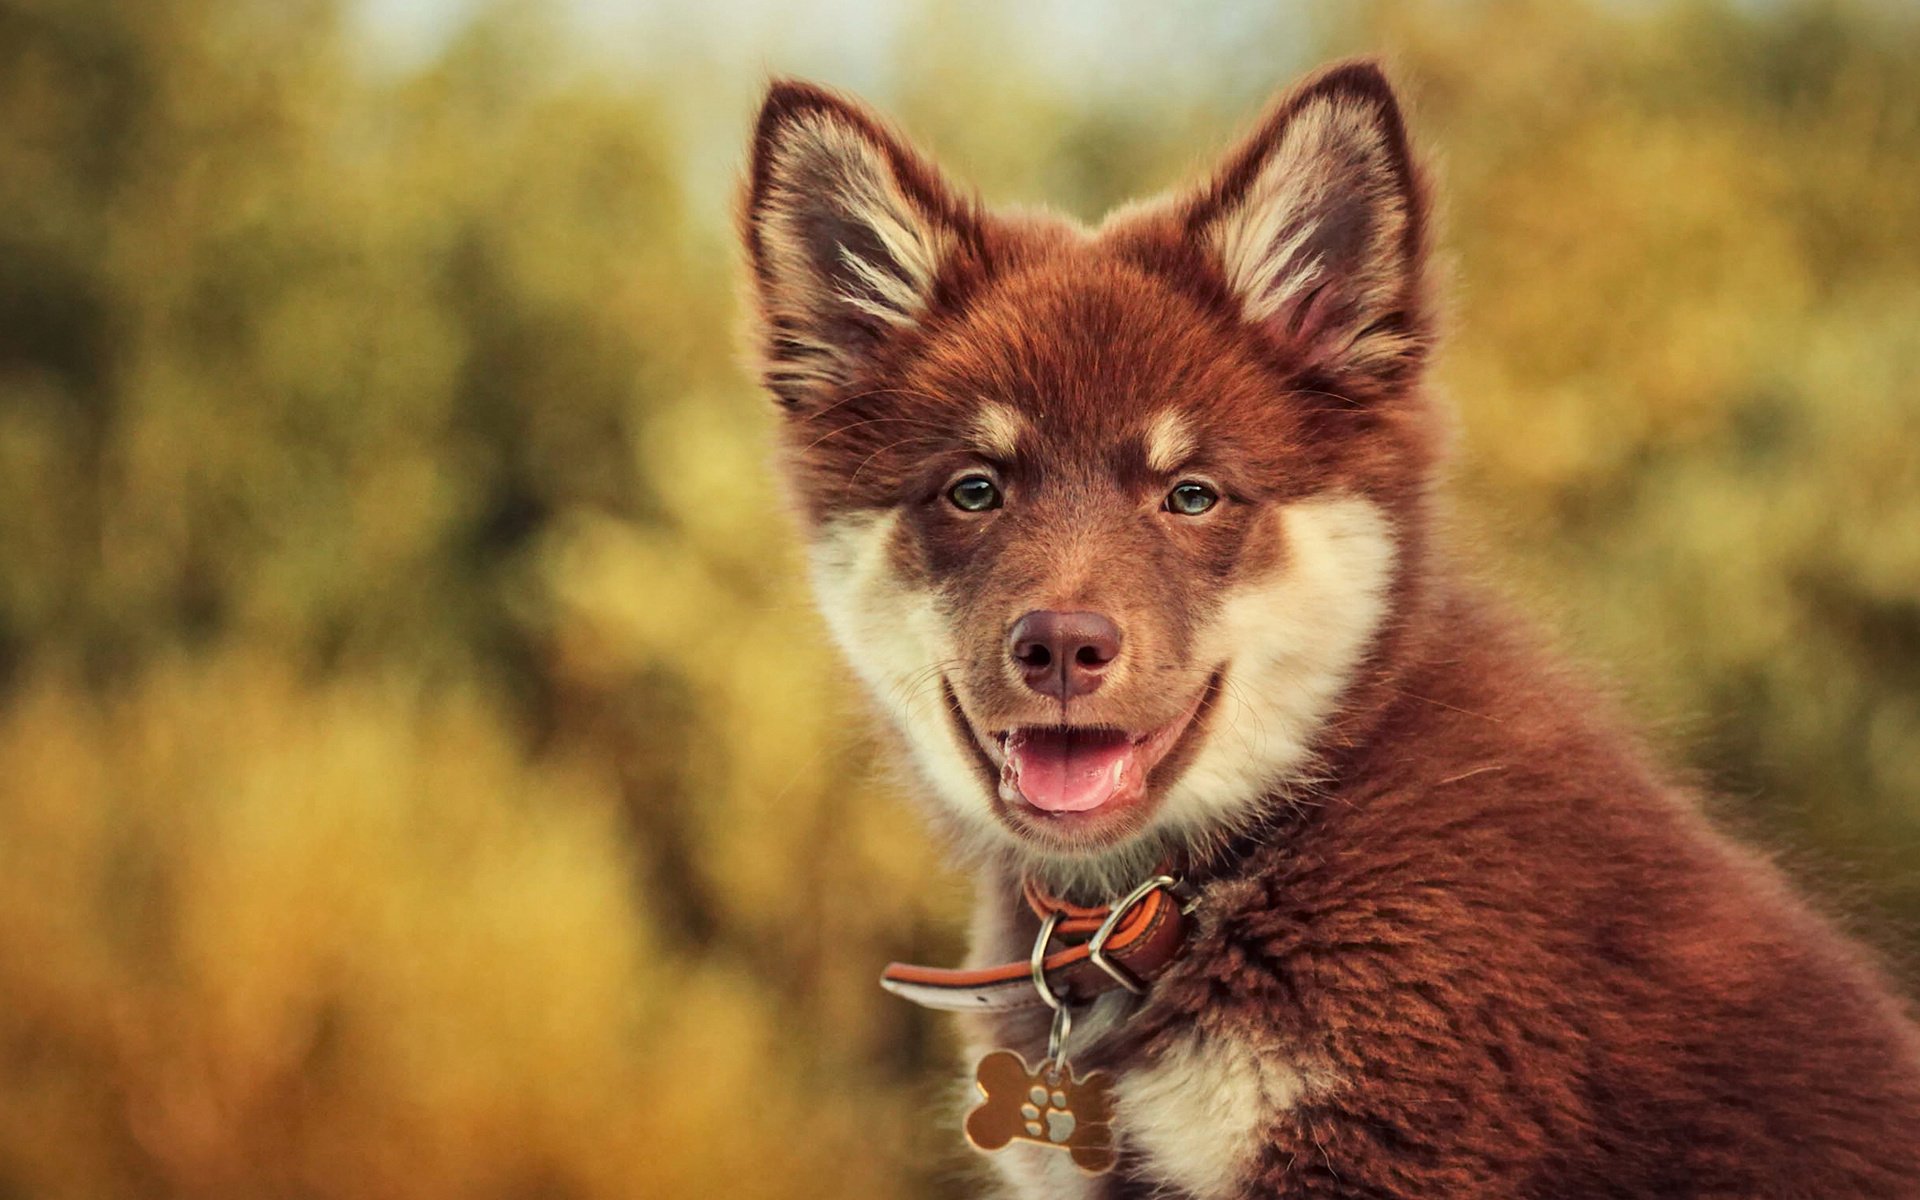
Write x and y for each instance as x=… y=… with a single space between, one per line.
x=421 y=773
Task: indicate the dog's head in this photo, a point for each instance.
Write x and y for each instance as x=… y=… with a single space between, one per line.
x=1112 y=523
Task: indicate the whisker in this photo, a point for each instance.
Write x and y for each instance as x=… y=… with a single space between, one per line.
x=903 y=690
x=1450 y=707
x=920 y=441
x=853 y=425
x=885 y=391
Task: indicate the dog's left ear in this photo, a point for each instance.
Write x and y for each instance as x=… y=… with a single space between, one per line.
x=847 y=230
x=1318 y=222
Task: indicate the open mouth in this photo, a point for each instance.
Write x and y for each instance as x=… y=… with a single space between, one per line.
x=1072 y=776
x=1064 y=769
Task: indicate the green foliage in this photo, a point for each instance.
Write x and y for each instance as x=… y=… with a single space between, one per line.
x=425 y=777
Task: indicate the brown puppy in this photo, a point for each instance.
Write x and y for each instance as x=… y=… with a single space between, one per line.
x=1129 y=532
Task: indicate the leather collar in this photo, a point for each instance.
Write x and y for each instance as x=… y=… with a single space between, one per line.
x=1144 y=934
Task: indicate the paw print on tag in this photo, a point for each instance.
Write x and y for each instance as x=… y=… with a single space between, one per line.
x=1047 y=1115
x=1048 y=1107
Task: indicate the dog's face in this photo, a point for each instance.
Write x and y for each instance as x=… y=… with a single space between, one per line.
x=1109 y=522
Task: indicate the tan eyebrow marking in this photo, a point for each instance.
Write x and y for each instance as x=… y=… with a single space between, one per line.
x=1169 y=441
x=997 y=427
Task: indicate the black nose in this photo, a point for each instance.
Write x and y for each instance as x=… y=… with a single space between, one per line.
x=1063 y=654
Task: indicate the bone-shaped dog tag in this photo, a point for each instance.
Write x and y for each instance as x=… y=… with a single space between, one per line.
x=1048 y=1107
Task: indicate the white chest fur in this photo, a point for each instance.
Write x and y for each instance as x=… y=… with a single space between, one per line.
x=1199 y=1113
x=1194 y=1119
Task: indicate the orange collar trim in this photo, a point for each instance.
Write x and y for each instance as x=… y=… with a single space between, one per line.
x=1127 y=944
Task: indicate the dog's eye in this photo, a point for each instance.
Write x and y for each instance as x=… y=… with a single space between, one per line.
x=975 y=493
x=1191 y=499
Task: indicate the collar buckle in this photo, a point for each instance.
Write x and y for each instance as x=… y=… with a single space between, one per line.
x=1097 y=944
x=1128 y=944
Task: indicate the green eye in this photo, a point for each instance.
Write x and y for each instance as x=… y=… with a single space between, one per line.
x=975 y=493
x=1191 y=499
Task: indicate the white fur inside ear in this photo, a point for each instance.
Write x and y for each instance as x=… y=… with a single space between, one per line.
x=1327 y=212
x=844 y=246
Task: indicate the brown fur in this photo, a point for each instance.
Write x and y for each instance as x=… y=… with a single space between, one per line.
x=1505 y=954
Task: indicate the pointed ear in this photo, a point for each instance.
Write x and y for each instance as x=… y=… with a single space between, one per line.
x=846 y=231
x=1318 y=222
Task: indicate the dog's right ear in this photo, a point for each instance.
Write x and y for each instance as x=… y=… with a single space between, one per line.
x=846 y=229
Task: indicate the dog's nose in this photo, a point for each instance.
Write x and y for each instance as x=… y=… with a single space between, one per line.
x=1063 y=654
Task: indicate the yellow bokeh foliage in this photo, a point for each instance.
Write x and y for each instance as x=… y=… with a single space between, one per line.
x=424 y=775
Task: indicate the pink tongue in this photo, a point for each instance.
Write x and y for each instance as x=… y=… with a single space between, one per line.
x=1067 y=770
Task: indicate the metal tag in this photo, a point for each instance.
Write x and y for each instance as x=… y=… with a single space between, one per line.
x=1047 y=1107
